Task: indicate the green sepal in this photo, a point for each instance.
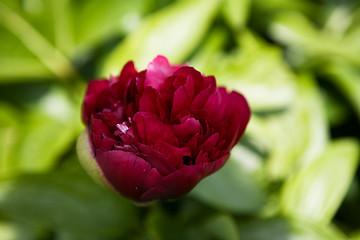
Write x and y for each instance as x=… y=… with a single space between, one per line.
x=88 y=161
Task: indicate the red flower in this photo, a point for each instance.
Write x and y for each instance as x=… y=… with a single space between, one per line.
x=155 y=134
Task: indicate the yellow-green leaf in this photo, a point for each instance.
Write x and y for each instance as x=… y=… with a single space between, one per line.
x=315 y=193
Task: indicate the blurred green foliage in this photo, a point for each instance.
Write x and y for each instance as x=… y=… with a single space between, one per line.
x=294 y=174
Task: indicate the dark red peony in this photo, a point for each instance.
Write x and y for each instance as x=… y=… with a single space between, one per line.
x=155 y=134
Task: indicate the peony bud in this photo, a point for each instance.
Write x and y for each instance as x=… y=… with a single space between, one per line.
x=155 y=134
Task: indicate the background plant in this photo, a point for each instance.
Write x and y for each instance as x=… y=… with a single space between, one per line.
x=295 y=173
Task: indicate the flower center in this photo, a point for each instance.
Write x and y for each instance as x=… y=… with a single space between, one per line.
x=187 y=161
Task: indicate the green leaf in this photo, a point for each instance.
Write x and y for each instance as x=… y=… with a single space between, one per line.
x=315 y=192
x=355 y=236
x=9 y=134
x=265 y=229
x=17 y=62
x=22 y=69
x=63 y=25
x=94 y=21
x=236 y=13
x=231 y=189
x=266 y=8
x=69 y=202
x=52 y=127
x=298 y=32
x=21 y=230
x=36 y=41
x=295 y=28
x=285 y=229
x=158 y=224
x=215 y=41
x=346 y=78
x=8 y=232
x=35 y=137
x=173 y=32
x=303 y=231
x=223 y=227
x=76 y=236
x=290 y=148
x=188 y=219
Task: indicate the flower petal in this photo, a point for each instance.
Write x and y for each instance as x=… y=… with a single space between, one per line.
x=237 y=115
x=157 y=71
x=209 y=146
x=94 y=89
x=101 y=135
x=186 y=130
x=148 y=101
x=129 y=174
x=156 y=159
x=180 y=182
x=118 y=85
x=174 y=155
x=180 y=101
x=150 y=129
x=202 y=97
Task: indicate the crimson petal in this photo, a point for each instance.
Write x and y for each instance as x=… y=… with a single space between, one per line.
x=129 y=174
x=157 y=71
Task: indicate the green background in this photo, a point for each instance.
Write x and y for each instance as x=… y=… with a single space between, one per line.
x=294 y=175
